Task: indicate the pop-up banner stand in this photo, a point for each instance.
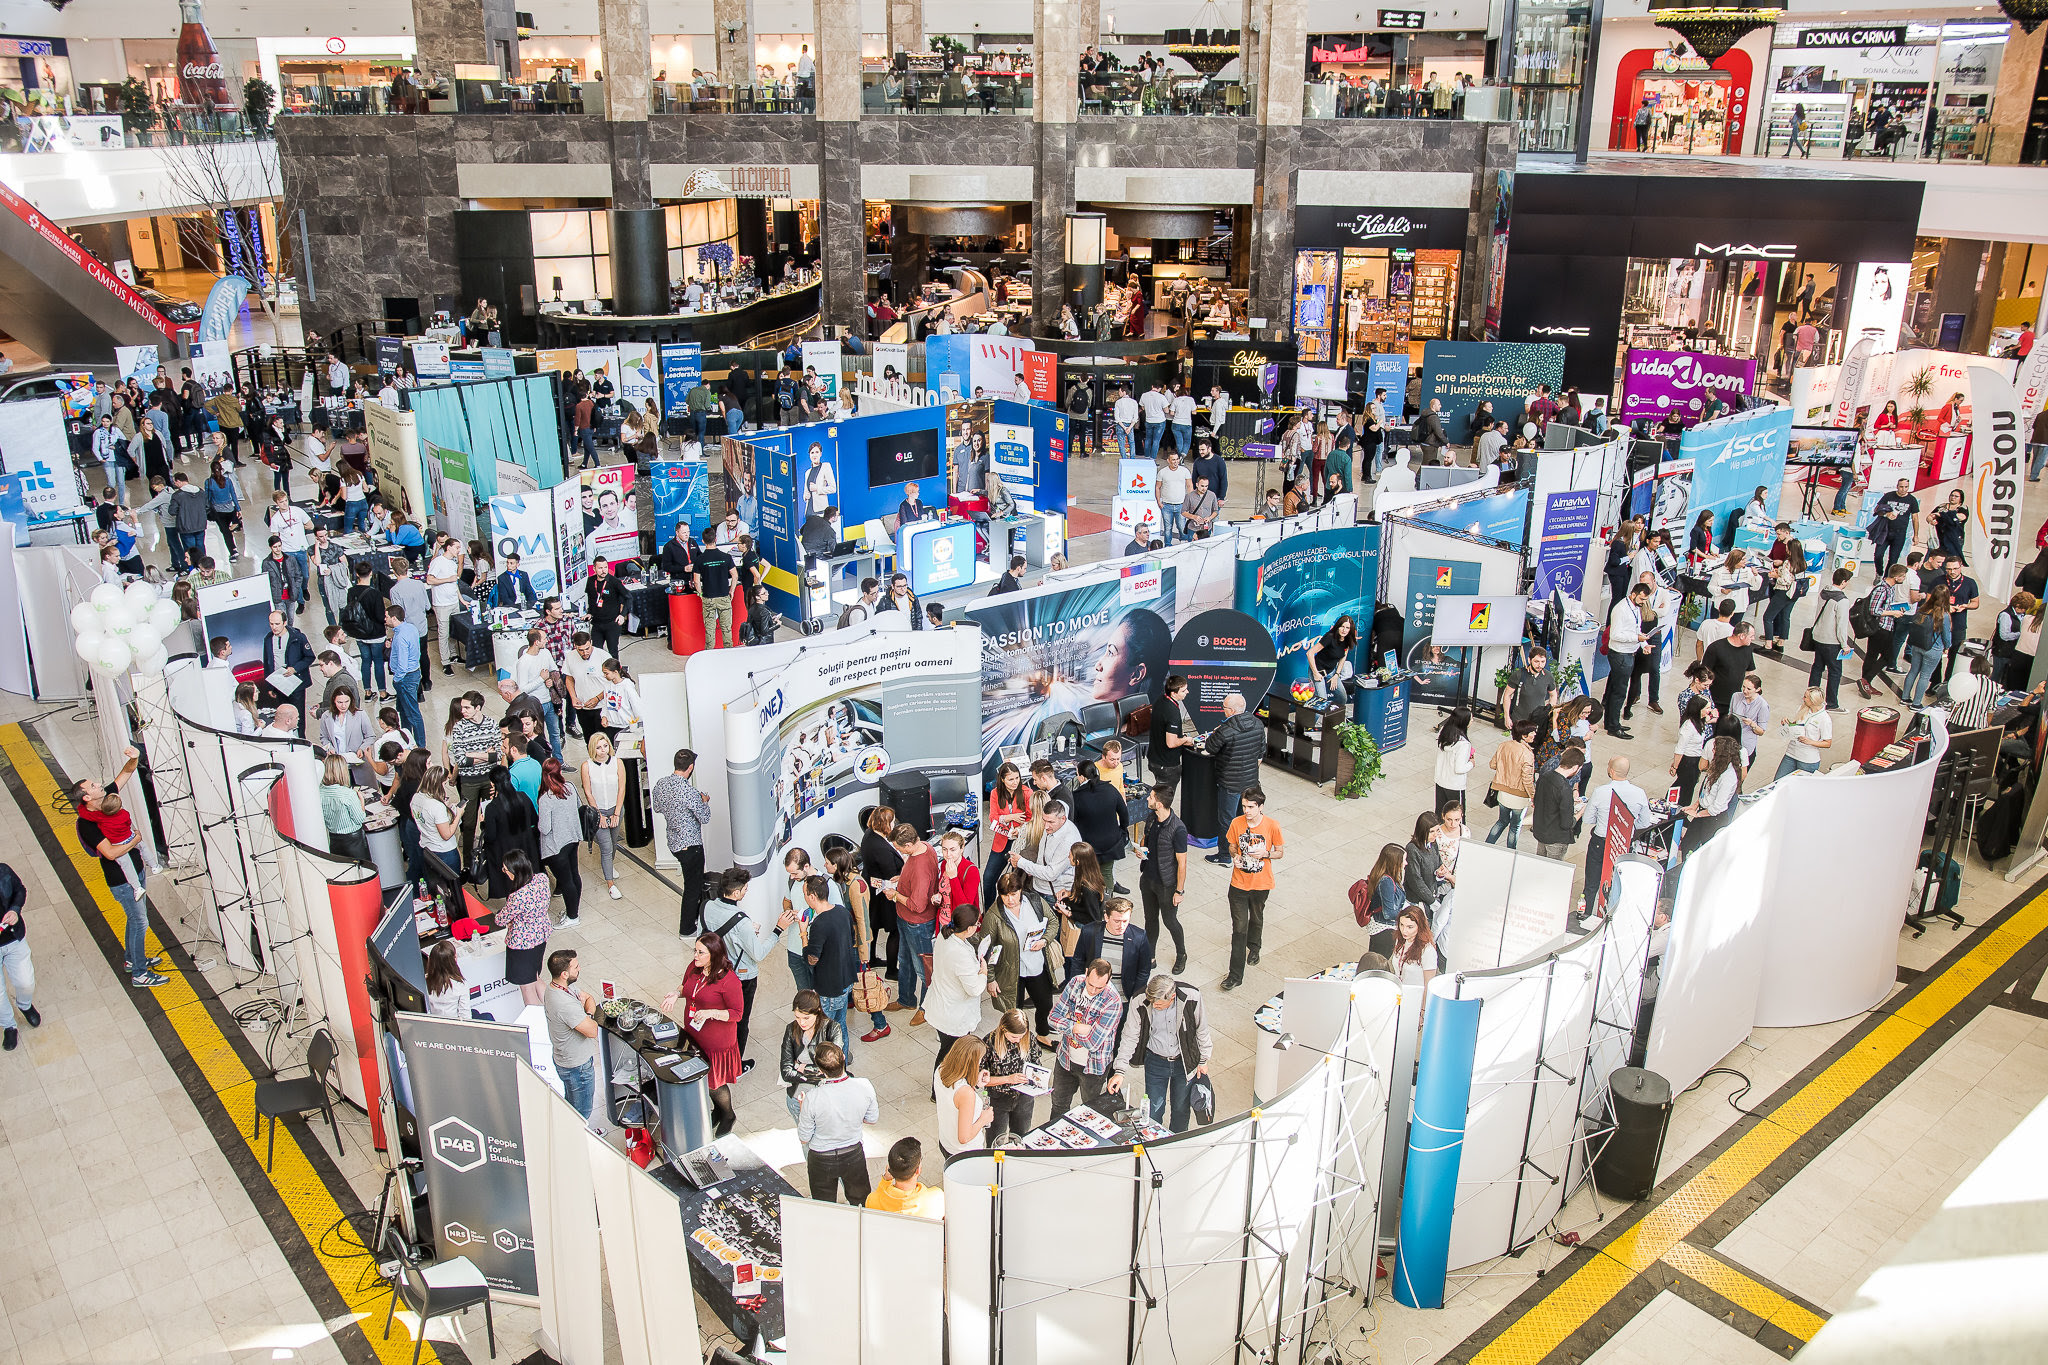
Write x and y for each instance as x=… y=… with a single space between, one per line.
x=1418 y=564
x=1240 y=1229
x=1205 y=571
x=1302 y=585
x=1387 y=502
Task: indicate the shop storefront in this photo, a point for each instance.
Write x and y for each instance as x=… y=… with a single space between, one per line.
x=1393 y=74
x=1373 y=280
x=1544 y=58
x=1668 y=100
x=1904 y=91
x=764 y=213
x=1779 y=272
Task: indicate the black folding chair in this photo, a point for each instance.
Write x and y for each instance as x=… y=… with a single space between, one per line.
x=277 y=1099
x=435 y=1291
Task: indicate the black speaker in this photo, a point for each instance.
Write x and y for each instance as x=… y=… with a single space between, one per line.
x=1627 y=1165
x=909 y=794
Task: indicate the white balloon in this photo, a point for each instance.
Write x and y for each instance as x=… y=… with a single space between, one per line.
x=140 y=595
x=115 y=655
x=1962 y=687
x=164 y=616
x=152 y=660
x=89 y=644
x=84 y=618
x=118 y=619
x=106 y=595
x=1529 y=430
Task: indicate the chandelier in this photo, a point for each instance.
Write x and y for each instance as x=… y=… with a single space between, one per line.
x=1713 y=29
x=1208 y=48
x=2028 y=14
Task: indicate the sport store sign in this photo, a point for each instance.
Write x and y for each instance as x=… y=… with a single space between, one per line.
x=1324 y=227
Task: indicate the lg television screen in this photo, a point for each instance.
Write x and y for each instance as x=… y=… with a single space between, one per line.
x=903 y=457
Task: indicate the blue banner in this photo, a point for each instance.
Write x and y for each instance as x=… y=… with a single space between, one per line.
x=681 y=492
x=682 y=369
x=390 y=352
x=497 y=362
x=1436 y=1148
x=1731 y=459
x=1564 y=540
x=1389 y=372
x=1461 y=373
x=465 y=371
x=942 y=560
x=1302 y=585
x=223 y=306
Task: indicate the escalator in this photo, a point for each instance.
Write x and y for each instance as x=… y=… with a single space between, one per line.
x=61 y=301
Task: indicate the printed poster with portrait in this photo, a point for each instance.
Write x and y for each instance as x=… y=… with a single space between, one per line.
x=1061 y=654
x=610 y=519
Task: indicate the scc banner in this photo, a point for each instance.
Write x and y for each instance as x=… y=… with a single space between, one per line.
x=1300 y=587
x=1998 y=452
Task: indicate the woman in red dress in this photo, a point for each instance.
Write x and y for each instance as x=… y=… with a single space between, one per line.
x=709 y=998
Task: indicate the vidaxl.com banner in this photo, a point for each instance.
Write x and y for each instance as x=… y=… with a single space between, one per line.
x=464 y=1077
x=838 y=719
x=1656 y=384
x=1065 y=653
x=1300 y=588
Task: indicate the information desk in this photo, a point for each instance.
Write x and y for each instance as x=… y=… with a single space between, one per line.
x=653 y=1081
x=1258 y=425
x=740 y=1217
x=730 y=327
x=387 y=849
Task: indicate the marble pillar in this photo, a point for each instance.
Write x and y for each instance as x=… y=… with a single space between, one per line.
x=835 y=39
x=1955 y=283
x=841 y=219
x=1061 y=30
x=906 y=25
x=632 y=151
x=2018 y=71
x=1281 y=56
x=909 y=252
x=1057 y=39
x=449 y=31
x=1088 y=20
x=626 y=58
x=1283 y=60
x=732 y=33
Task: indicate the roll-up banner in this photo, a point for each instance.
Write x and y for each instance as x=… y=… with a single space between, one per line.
x=523 y=524
x=682 y=492
x=638 y=377
x=1300 y=588
x=1998 y=449
x=1436 y=1143
x=682 y=369
x=824 y=357
x=571 y=564
x=464 y=1076
x=454 y=496
x=1850 y=385
x=610 y=518
x=395 y=455
x=499 y=362
x=830 y=725
x=1731 y=458
x=599 y=360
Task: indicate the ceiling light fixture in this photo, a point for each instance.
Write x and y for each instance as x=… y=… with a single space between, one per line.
x=1714 y=29
x=2028 y=14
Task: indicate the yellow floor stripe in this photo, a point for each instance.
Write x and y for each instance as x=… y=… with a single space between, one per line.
x=305 y=1195
x=1662 y=1230
x=1744 y=1292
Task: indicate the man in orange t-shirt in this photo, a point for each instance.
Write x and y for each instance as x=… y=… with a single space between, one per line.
x=1254 y=844
x=903 y=1191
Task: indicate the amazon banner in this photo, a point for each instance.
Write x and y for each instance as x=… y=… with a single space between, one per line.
x=1084 y=654
x=1302 y=586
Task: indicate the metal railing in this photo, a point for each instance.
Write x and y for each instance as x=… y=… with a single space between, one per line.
x=945 y=92
x=1382 y=100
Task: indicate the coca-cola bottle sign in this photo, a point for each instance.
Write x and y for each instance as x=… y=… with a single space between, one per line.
x=202 y=80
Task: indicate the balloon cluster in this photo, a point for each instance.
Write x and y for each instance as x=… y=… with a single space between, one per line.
x=119 y=628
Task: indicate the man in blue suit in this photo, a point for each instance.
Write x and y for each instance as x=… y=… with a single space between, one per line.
x=285 y=650
x=512 y=587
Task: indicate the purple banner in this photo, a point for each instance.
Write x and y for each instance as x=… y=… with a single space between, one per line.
x=1659 y=382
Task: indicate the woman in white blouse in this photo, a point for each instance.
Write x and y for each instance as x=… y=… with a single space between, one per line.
x=1808 y=734
x=1454 y=757
x=963 y=1115
x=447 y=993
x=247 y=719
x=599 y=778
x=959 y=978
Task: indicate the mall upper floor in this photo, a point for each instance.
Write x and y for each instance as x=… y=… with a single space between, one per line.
x=1924 y=82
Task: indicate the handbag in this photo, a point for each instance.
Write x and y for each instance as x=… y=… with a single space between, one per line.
x=1806 y=640
x=1070 y=936
x=589 y=817
x=871 y=992
x=1492 y=797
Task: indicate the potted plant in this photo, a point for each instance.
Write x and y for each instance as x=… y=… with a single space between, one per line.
x=1358 y=763
x=138 y=110
x=1916 y=391
x=259 y=97
x=1571 y=678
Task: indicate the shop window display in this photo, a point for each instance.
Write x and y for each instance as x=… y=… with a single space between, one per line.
x=1925 y=92
x=1367 y=301
x=1667 y=100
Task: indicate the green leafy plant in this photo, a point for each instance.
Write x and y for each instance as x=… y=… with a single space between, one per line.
x=259 y=97
x=138 y=110
x=1571 y=674
x=1917 y=389
x=947 y=46
x=1367 y=766
x=1502 y=677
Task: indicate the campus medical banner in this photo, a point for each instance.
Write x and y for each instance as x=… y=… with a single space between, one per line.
x=1998 y=451
x=682 y=369
x=682 y=492
x=1051 y=655
x=840 y=717
x=1461 y=373
x=464 y=1078
x=1657 y=383
x=638 y=379
x=523 y=524
x=1300 y=587
x=1730 y=459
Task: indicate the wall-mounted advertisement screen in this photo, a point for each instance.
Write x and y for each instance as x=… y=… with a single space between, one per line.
x=902 y=457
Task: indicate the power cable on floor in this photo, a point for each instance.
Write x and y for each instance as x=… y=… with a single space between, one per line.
x=1734 y=1099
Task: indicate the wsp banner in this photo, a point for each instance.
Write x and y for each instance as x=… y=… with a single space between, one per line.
x=1731 y=458
x=1300 y=588
x=682 y=492
x=1998 y=449
x=1657 y=383
x=682 y=369
x=464 y=1078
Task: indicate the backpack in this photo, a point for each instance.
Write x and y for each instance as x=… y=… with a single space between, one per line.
x=1861 y=621
x=355 y=619
x=1360 y=896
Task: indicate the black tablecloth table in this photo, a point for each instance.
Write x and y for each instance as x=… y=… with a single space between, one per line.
x=743 y=1213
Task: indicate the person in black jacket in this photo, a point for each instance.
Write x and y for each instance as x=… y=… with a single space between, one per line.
x=362 y=616
x=1557 y=807
x=1121 y=943
x=1103 y=818
x=678 y=558
x=808 y=1031
x=285 y=647
x=605 y=598
x=510 y=822
x=14 y=959
x=1421 y=861
x=1237 y=745
x=1012 y=579
x=1170 y=732
x=880 y=862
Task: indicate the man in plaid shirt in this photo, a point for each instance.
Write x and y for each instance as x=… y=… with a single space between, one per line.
x=1084 y=1019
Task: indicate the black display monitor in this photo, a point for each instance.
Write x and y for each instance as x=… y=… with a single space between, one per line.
x=903 y=457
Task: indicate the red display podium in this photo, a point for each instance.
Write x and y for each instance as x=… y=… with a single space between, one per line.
x=1876 y=726
x=685 y=624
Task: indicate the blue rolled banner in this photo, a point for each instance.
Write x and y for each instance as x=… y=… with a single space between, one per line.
x=1436 y=1145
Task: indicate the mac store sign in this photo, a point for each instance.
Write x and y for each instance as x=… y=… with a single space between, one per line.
x=1574 y=235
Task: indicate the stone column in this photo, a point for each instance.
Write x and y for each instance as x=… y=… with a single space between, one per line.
x=449 y=31
x=908 y=253
x=1955 y=281
x=735 y=58
x=2018 y=71
x=1060 y=30
x=835 y=38
x=1282 y=56
x=626 y=59
x=906 y=26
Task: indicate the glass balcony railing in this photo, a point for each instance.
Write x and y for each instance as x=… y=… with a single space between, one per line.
x=1383 y=99
x=1173 y=92
x=945 y=92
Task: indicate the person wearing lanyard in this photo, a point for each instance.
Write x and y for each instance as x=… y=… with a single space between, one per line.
x=831 y=1115
x=1163 y=878
x=1962 y=600
x=1720 y=780
x=684 y=810
x=1626 y=646
x=572 y=1030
